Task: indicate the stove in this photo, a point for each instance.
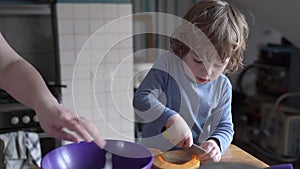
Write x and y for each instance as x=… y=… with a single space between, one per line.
x=14 y=117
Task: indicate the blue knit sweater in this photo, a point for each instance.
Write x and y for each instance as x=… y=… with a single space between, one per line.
x=167 y=90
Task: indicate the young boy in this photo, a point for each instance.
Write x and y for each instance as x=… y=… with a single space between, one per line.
x=186 y=92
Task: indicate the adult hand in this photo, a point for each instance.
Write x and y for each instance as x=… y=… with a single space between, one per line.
x=54 y=119
x=22 y=81
x=179 y=132
x=213 y=152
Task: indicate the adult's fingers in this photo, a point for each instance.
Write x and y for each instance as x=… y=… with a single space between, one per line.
x=63 y=135
x=76 y=125
x=93 y=132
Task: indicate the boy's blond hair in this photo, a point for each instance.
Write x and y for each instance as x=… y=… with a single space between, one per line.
x=224 y=26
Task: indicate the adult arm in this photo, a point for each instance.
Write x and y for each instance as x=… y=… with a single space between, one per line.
x=23 y=82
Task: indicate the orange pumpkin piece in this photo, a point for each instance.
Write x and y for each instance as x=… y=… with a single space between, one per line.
x=176 y=159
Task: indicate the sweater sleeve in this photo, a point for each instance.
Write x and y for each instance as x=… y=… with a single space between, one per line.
x=150 y=98
x=224 y=128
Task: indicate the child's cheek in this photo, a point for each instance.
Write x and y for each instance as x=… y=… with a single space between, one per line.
x=215 y=74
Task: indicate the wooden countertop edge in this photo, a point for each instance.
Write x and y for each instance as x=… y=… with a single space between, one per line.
x=236 y=154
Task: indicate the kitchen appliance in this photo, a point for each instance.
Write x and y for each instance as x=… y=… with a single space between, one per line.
x=31 y=31
x=2 y=164
x=85 y=155
x=29 y=26
x=282 y=136
x=16 y=117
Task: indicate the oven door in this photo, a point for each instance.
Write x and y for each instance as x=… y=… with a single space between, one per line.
x=2 y=164
x=48 y=143
x=31 y=30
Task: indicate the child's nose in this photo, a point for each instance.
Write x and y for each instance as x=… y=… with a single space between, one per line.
x=203 y=73
x=208 y=70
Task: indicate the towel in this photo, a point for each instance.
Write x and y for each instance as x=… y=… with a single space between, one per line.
x=21 y=150
x=32 y=143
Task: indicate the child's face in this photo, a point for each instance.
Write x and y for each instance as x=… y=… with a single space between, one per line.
x=205 y=67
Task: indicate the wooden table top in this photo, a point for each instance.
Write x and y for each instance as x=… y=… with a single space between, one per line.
x=236 y=154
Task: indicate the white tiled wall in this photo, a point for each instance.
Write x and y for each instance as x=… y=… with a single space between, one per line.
x=102 y=53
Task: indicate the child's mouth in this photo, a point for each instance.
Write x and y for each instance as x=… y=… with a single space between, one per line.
x=201 y=80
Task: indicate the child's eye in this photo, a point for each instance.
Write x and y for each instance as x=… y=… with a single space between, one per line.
x=218 y=66
x=197 y=61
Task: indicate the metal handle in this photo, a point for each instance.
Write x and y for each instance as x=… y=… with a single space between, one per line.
x=43 y=135
x=25 y=9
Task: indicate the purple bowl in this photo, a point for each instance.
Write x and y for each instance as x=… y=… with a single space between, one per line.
x=85 y=155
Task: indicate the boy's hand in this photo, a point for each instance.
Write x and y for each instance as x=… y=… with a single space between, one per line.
x=213 y=152
x=179 y=132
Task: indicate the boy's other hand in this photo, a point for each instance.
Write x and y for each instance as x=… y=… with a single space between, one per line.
x=213 y=152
